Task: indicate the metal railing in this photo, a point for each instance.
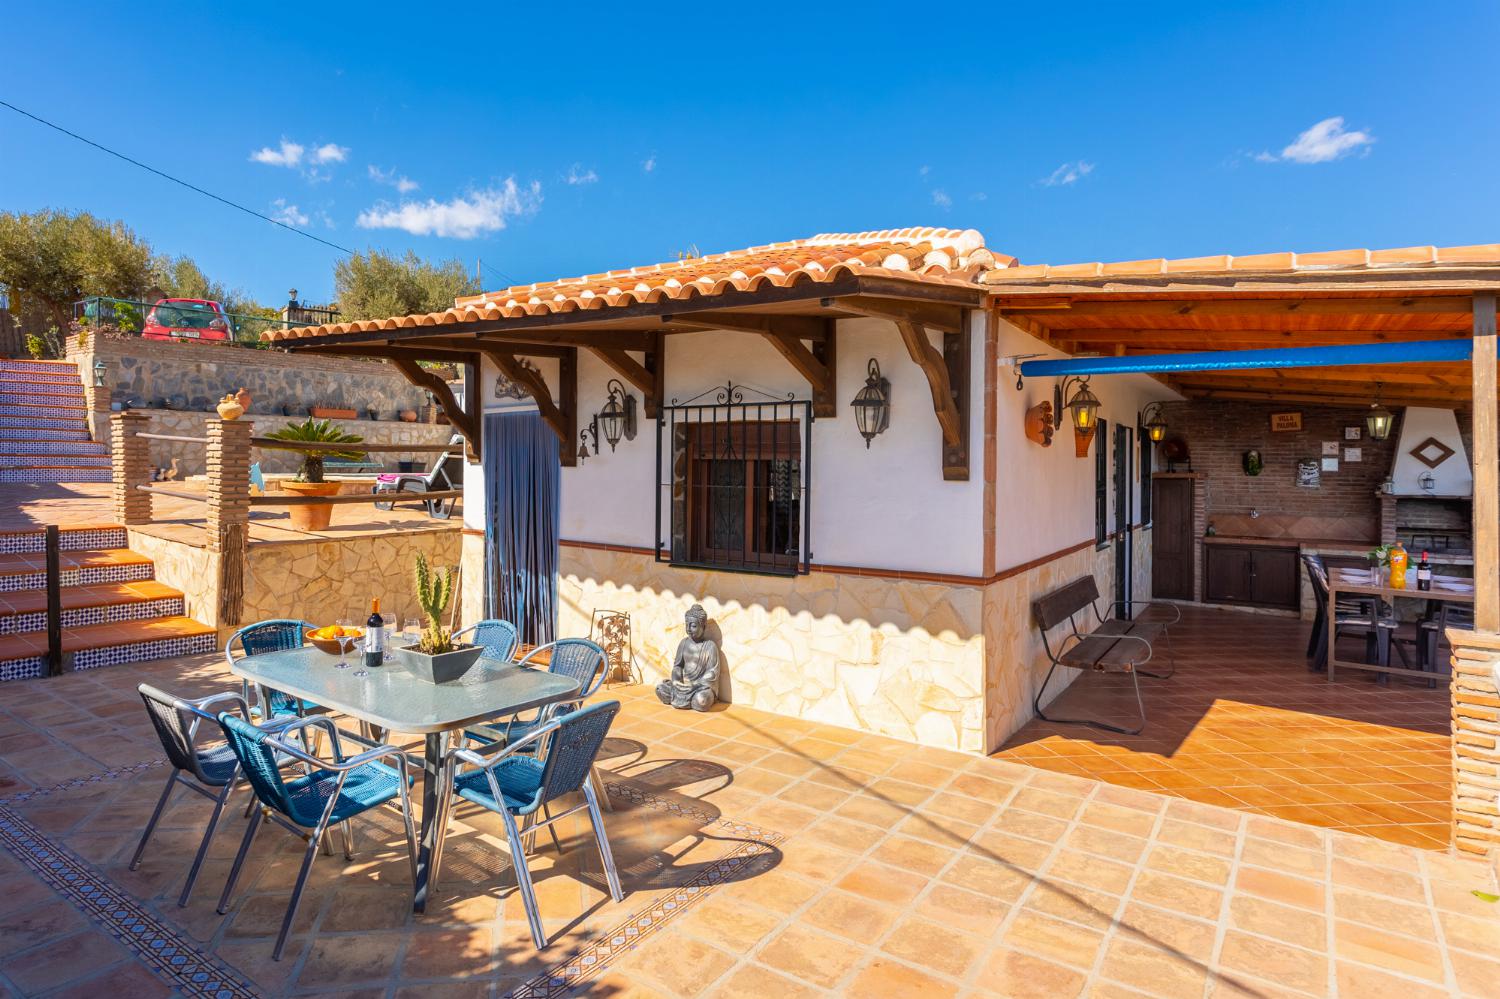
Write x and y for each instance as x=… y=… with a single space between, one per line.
x=185 y=321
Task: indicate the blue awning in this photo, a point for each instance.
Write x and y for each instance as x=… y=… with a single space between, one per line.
x=1456 y=349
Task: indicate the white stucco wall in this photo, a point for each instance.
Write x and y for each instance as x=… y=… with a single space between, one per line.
x=1454 y=477
x=887 y=507
x=1044 y=496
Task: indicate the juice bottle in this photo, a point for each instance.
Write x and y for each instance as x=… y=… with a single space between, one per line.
x=1398 y=567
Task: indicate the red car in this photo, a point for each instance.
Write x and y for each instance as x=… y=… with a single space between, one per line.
x=187 y=318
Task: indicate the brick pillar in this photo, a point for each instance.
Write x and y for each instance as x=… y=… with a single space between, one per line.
x=1476 y=725
x=228 y=524
x=131 y=459
x=228 y=461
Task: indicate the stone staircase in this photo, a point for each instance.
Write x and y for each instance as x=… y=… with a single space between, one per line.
x=44 y=430
x=113 y=609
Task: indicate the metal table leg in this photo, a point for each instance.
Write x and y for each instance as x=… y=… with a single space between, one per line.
x=433 y=793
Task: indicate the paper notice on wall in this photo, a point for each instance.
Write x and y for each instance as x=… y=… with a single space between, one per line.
x=1353 y=454
x=1330 y=464
x=1330 y=449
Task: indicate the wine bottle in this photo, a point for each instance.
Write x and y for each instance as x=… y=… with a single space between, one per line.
x=1424 y=574
x=374 y=636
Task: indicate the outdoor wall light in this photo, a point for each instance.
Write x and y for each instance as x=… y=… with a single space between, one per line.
x=1083 y=408
x=1380 y=419
x=617 y=418
x=1156 y=424
x=872 y=406
x=99 y=369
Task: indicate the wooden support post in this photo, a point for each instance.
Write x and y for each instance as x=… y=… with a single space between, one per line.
x=1486 y=470
x=567 y=390
x=131 y=460
x=943 y=369
x=656 y=363
x=54 y=602
x=565 y=427
x=427 y=380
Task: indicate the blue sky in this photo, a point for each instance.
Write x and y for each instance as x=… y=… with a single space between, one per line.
x=553 y=140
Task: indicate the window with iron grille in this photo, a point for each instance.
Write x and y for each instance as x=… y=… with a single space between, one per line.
x=1101 y=484
x=734 y=476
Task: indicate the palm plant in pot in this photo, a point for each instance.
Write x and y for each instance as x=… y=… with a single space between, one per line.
x=435 y=658
x=309 y=481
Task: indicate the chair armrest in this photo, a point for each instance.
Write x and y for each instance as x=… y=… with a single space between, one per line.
x=535 y=652
x=316 y=721
x=492 y=754
x=199 y=706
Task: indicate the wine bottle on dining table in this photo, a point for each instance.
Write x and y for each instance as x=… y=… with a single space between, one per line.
x=374 y=636
x=1424 y=574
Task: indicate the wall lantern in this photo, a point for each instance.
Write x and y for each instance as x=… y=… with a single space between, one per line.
x=99 y=369
x=1156 y=424
x=1380 y=419
x=617 y=418
x=1083 y=408
x=872 y=406
x=1427 y=482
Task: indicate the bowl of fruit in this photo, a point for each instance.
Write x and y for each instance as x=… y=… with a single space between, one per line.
x=327 y=639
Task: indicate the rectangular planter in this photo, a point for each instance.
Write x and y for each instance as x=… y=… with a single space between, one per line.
x=445 y=668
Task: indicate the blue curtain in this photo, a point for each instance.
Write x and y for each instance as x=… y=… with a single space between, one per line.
x=522 y=522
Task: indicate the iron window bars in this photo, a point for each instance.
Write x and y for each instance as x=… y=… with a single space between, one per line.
x=734 y=471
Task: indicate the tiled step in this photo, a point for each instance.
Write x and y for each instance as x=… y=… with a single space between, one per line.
x=73 y=538
x=59 y=368
x=16 y=396
x=66 y=407
x=28 y=571
x=107 y=603
x=26 y=432
x=53 y=460
x=10 y=449
x=10 y=421
x=96 y=645
x=55 y=475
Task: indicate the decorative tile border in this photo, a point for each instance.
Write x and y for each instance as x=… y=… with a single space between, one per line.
x=128 y=572
x=78 y=617
x=60 y=368
x=82 y=539
x=31 y=445
x=11 y=433
x=137 y=652
x=22 y=669
x=24 y=422
x=56 y=475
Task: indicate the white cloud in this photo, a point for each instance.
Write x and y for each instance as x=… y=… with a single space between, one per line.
x=330 y=152
x=288 y=155
x=400 y=182
x=288 y=214
x=941 y=199
x=462 y=217
x=979 y=196
x=578 y=175
x=649 y=163
x=1068 y=173
x=924 y=170
x=1325 y=142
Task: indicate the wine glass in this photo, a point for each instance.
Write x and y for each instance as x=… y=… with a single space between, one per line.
x=345 y=640
x=411 y=631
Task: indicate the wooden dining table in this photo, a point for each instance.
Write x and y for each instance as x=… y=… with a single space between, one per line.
x=1369 y=583
x=391 y=698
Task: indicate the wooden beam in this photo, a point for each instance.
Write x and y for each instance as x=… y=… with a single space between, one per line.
x=1409 y=306
x=542 y=396
x=947 y=318
x=935 y=366
x=800 y=327
x=422 y=378
x=1486 y=469
x=567 y=390
x=819 y=377
x=1207 y=339
x=1303 y=396
x=626 y=367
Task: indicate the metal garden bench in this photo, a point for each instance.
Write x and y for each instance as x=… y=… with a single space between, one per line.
x=1108 y=645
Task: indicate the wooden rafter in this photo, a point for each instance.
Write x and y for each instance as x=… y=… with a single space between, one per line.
x=800 y=327
x=457 y=415
x=946 y=401
x=1260 y=307
x=638 y=375
x=947 y=318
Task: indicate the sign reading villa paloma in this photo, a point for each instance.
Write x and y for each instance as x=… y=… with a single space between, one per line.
x=1286 y=422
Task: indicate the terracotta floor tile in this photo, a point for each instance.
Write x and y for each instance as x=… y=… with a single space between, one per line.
x=1390 y=951
x=809 y=955
x=1061 y=941
x=884 y=978
x=933 y=947
x=1294 y=967
x=1159 y=972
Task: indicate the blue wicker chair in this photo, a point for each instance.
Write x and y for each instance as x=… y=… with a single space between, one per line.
x=560 y=758
x=278 y=635
x=209 y=770
x=498 y=637
x=330 y=793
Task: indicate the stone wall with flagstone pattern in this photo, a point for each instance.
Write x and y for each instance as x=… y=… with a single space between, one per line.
x=903 y=658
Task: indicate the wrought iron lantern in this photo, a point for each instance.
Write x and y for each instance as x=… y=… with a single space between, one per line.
x=872 y=406
x=617 y=418
x=99 y=369
x=1156 y=424
x=1083 y=408
x=1379 y=419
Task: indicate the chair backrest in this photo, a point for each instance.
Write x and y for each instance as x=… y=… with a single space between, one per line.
x=580 y=659
x=1318 y=573
x=177 y=729
x=257 y=756
x=277 y=635
x=498 y=637
x=1062 y=603
x=572 y=748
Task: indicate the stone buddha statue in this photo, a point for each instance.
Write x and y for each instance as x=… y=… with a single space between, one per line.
x=695 y=669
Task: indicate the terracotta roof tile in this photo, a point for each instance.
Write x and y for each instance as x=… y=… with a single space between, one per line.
x=1485 y=254
x=950 y=256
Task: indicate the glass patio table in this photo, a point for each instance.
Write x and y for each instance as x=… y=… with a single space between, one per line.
x=391 y=698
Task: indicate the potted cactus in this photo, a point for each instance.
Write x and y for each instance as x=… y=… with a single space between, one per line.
x=435 y=658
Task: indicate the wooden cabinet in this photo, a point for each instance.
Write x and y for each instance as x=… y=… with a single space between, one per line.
x=1256 y=575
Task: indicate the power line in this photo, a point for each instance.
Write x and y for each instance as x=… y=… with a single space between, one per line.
x=175 y=180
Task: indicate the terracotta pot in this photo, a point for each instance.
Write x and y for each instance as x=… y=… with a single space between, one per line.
x=408 y=416
x=230 y=409
x=311 y=516
x=243 y=398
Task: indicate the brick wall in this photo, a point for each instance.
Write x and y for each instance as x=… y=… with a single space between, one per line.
x=1345 y=504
